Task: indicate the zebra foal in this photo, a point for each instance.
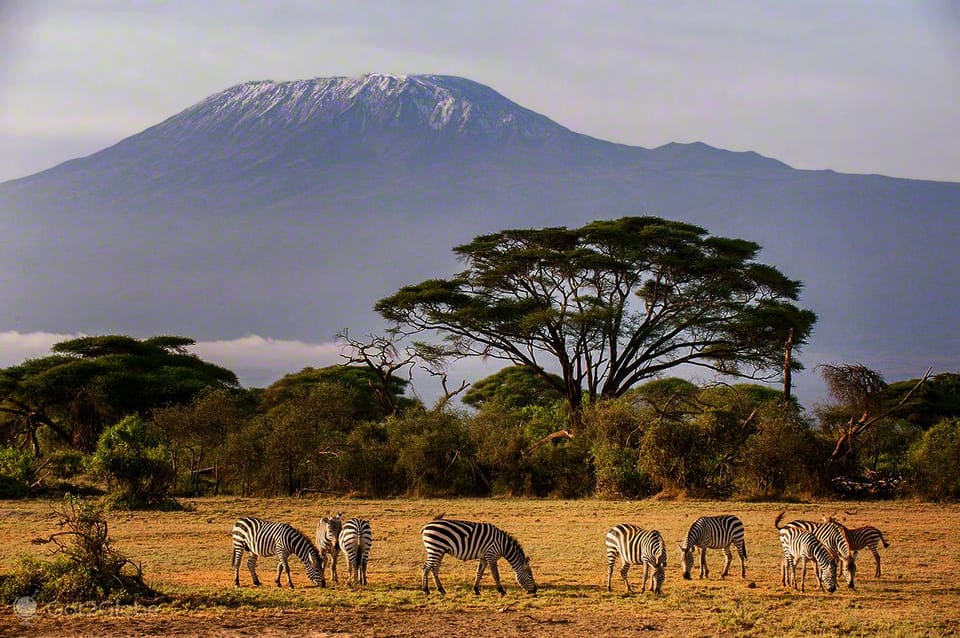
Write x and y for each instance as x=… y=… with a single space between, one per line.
x=328 y=542
x=266 y=538
x=714 y=532
x=634 y=545
x=468 y=540
x=867 y=537
x=356 y=539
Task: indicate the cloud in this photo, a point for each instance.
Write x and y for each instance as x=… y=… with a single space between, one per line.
x=17 y=347
x=259 y=361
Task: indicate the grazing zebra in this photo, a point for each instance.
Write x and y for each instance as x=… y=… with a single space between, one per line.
x=867 y=538
x=635 y=545
x=328 y=541
x=802 y=545
x=835 y=537
x=356 y=539
x=265 y=538
x=468 y=540
x=715 y=532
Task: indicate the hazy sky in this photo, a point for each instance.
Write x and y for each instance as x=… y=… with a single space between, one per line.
x=856 y=86
x=869 y=86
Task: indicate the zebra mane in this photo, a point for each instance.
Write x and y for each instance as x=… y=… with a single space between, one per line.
x=514 y=542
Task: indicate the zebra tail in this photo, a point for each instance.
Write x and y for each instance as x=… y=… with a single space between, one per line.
x=776 y=521
x=883 y=540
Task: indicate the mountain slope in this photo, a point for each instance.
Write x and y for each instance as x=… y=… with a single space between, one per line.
x=287 y=209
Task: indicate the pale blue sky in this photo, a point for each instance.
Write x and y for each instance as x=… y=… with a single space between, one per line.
x=856 y=86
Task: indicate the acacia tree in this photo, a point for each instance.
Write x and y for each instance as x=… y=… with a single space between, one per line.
x=91 y=382
x=610 y=304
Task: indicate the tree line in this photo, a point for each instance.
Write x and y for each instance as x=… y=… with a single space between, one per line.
x=589 y=323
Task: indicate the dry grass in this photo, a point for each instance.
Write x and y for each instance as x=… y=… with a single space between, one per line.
x=187 y=554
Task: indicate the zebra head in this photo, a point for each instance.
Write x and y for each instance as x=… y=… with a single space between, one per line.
x=828 y=573
x=525 y=576
x=313 y=564
x=686 y=559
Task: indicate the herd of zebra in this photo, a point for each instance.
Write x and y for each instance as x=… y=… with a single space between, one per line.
x=828 y=544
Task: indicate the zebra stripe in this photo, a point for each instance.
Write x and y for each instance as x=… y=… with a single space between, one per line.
x=468 y=540
x=266 y=538
x=328 y=541
x=800 y=545
x=833 y=536
x=356 y=539
x=714 y=532
x=867 y=538
x=634 y=546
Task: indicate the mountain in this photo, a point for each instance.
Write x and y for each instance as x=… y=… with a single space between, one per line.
x=287 y=209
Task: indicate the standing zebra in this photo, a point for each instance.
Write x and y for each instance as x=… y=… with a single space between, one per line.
x=356 y=539
x=265 y=538
x=867 y=538
x=801 y=545
x=832 y=535
x=468 y=540
x=714 y=532
x=635 y=545
x=328 y=541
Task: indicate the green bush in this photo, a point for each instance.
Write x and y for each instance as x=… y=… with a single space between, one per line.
x=136 y=460
x=935 y=461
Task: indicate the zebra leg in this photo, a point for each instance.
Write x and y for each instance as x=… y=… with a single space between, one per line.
x=480 y=568
x=643 y=587
x=704 y=570
x=742 y=555
x=610 y=575
x=496 y=577
x=876 y=557
x=252 y=566
x=237 y=558
x=333 y=564
x=729 y=559
x=623 y=574
x=363 y=571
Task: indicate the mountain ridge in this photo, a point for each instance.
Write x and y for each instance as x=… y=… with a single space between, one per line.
x=256 y=211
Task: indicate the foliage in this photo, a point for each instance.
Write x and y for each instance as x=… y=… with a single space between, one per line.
x=86 y=567
x=306 y=434
x=783 y=457
x=91 y=382
x=435 y=456
x=360 y=381
x=135 y=458
x=938 y=398
x=935 y=460
x=610 y=304
x=515 y=387
x=196 y=432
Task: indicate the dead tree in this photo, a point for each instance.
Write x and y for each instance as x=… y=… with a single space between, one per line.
x=860 y=388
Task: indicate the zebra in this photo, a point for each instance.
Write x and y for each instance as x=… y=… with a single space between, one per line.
x=867 y=537
x=355 y=539
x=468 y=540
x=715 y=532
x=266 y=538
x=835 y=537
x=635 y=545
x=802 y=545
x=328 y=541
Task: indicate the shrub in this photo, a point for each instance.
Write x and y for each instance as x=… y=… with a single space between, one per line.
x=935 y=461
x=86 y=567
x=134 y=458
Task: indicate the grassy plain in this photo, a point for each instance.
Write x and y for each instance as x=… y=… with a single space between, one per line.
x=186 y=555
